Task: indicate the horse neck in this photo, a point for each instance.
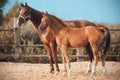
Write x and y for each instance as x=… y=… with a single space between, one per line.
x=36 y=17
x=56 y=26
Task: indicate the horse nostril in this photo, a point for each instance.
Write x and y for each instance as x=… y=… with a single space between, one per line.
x=41 y=28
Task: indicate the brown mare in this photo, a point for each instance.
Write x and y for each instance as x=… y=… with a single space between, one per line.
x=28 y=13
x=67 y=36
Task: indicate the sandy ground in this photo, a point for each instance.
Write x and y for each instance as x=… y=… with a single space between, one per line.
x=27 y=71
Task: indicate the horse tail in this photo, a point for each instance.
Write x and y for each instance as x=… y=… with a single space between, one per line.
x=89 y=52
x=106 y=37
x=107 y=45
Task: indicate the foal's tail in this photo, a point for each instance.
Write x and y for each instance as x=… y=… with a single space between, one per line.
x=89 y=52
x=106 y=37
x=107 y=34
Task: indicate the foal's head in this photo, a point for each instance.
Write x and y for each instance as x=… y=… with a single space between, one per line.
x=45 y=22
x=24 y=15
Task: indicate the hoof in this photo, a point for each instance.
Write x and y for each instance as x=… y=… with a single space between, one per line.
x=87 y=71
x=64 y=73
x=56 y=72
x=52 y=72
x=68 y=72
x=92 y=74
x=104 y=72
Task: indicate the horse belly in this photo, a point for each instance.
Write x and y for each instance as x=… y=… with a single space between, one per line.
x=78 y=43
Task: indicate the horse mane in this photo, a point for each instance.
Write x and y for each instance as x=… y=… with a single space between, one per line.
x=37 y=14
x=61 y=21
x=36 y=11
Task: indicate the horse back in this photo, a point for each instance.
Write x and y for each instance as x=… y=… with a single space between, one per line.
x=80 y=23
x=76 y=37
x=94 y=35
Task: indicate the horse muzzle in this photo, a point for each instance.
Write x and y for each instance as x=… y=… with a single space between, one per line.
x=41 y=28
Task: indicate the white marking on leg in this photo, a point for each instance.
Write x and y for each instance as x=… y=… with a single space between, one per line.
x=52 y=72
x=69 y=72
x=93 y=70
x=103 y=70
x=56 y=72
x=89 y=67
x=64 y=73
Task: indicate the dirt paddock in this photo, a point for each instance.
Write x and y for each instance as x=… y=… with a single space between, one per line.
x=27 y=71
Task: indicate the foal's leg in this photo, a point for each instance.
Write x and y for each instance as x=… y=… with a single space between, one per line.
x=103 y=60
x=50 y=58
x=66 y=56
x=90 y=56
x=68 y=64
x=54 y=55
x=95 y=54
x=103 y=66
x=64 y=62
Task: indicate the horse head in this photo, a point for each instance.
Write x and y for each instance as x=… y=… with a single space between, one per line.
x=45 y=22
x=24 y=15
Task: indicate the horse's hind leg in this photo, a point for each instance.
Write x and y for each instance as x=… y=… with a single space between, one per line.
x=50 y=58
x=90 y=56
x=103 y=62
x=102 y=59
x=95 y=54
x=103 y=66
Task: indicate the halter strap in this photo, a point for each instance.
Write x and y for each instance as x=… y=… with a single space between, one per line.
x=25 y=17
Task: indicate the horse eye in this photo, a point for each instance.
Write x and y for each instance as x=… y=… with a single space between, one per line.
x=46 y=20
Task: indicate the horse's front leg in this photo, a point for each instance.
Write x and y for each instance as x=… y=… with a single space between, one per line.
x=64 y=62
x=49 y=53
x=66 y=57
x=68 y=64
x=54 y=55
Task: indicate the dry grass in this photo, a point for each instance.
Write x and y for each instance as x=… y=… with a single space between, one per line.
x=26 y=71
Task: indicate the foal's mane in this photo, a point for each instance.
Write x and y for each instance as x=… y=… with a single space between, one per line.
x=61 y=21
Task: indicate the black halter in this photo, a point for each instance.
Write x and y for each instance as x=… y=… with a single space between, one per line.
x=25 y=17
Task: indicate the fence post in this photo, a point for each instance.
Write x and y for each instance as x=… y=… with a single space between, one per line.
x=18 y=50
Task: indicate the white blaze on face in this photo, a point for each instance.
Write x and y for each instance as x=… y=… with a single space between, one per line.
x=20 y=12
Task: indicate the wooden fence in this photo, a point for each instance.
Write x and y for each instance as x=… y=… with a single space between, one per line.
x=18 y=51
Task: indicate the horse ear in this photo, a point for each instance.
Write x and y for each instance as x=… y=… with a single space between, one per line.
x=43 y=14
x=22 y=4
x=46 y=13
x=26 y=4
